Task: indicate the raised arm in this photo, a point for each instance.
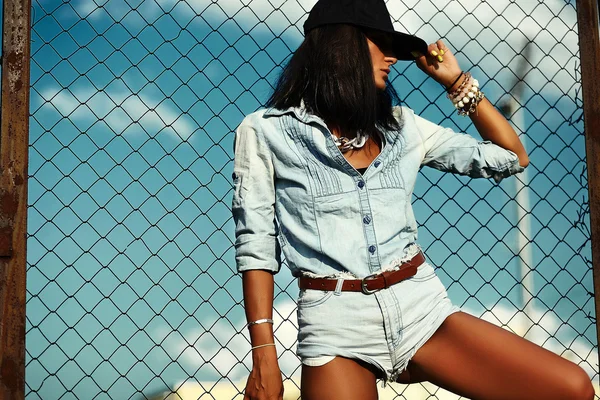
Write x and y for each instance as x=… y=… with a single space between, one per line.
x=490 y=123
x=492 y=126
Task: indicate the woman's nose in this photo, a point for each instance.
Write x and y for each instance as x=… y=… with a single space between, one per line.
x=391 y=59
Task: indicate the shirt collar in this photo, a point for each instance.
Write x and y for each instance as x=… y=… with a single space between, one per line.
x=303 y=115
x=300 y=112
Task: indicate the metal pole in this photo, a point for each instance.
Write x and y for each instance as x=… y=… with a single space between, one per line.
x=516 y=118
x=523 y=229
x=14 y=138
x=589 y=50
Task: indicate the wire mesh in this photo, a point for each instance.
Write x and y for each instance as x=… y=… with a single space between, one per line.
x=132 y=291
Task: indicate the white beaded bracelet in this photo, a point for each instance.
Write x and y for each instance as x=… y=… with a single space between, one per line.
x=467 y=97
x=473 y=104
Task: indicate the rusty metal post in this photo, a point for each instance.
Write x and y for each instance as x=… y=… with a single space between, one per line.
x=589 y=49
x=14 y=139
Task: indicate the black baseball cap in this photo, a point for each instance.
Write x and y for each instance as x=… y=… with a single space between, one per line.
x=371 y=14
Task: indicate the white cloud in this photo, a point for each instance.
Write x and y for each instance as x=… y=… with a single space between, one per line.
x=210 y=346
x=120 y=110
x=90 y=9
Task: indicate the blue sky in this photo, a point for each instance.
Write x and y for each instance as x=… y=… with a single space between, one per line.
x=131 y=284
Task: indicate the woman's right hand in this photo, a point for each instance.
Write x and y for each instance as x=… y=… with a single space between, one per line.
x=264 y=382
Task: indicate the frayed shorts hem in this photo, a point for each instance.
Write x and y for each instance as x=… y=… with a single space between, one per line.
x=328 y=353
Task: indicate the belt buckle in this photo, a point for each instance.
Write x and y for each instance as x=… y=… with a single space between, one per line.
x=363 y=284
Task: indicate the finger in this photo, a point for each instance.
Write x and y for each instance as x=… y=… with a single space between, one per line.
x=440 y=45
x=432 y=47
x=424 y=61
x=442 y=49
x=434 y=52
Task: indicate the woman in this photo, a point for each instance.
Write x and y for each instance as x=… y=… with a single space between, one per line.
x=327 y=172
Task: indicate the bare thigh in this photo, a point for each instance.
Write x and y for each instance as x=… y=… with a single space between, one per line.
x=339 y=379
x=479 y=360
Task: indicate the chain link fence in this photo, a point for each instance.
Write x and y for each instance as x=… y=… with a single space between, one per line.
x=132 y=291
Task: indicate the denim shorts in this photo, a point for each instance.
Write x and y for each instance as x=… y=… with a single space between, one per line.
x=384 y=329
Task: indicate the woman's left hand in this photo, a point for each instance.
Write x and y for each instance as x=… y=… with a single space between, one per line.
x=445 y=72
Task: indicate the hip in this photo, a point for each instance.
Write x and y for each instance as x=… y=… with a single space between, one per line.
x=331 y=312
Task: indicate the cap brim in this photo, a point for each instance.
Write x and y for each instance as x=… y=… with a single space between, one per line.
x=405 y=44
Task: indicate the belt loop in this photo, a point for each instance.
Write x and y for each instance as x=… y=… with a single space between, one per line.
x=338 y=287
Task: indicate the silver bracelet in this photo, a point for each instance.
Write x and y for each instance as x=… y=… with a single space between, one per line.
x=260 y=321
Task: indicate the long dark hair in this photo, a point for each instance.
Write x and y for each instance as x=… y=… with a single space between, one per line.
x=332 y=72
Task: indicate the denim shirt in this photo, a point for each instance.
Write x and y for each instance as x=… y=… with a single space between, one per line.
x=295 y=192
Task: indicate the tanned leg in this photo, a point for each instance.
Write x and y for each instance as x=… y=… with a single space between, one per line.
x=481 y=361
x=339 y=379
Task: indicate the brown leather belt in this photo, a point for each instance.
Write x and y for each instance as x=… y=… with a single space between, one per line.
x=369 y=284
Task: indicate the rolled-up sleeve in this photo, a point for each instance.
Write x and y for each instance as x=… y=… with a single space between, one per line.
x=460 y=153
x=253 y=202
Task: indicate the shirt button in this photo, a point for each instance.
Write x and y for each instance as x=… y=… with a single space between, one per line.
x=361 y=184
x=372 y=249
x=377 y=163
x=366 y=219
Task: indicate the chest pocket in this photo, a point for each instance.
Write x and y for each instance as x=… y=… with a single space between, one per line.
x=309 y=144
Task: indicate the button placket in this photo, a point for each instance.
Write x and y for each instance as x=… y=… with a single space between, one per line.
x=374 y=263
x=369 y=229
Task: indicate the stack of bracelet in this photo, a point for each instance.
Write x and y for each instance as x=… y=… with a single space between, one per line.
x=467 y=96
